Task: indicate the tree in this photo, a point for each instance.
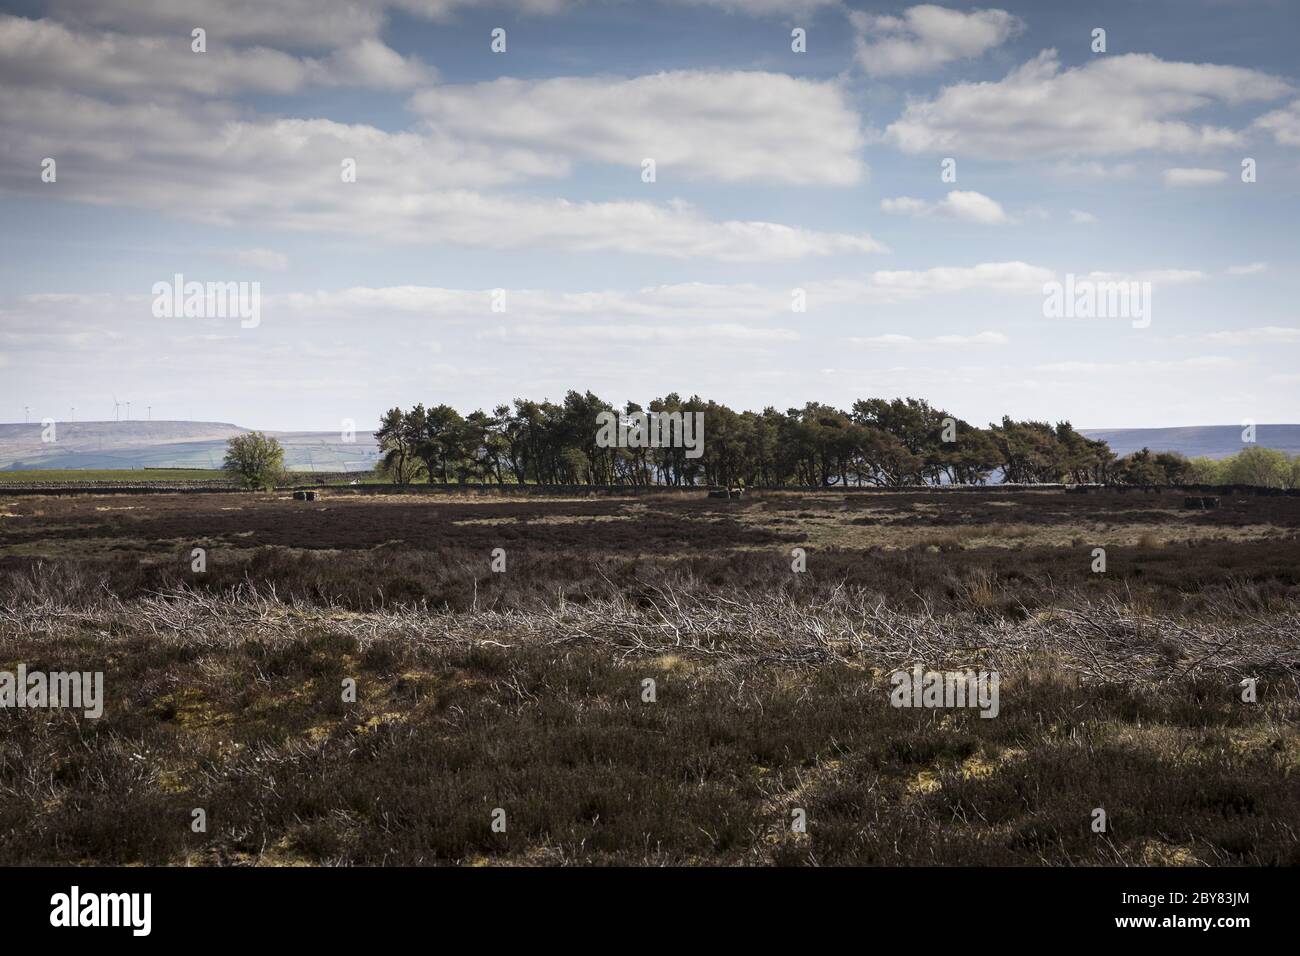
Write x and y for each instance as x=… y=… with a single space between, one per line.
x=1141 y=468
x=1205 y=471
x=1030 y=451
x=398 y=435
x=891 y=443
x=1175 y=466
x=1264 y=467
x=254 y=460
x=441 y=445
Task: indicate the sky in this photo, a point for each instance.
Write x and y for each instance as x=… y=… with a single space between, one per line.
x=878 y=215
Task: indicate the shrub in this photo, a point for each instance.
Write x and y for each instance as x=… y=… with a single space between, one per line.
x=254 y=460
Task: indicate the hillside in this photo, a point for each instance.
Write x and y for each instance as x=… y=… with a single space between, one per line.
x=137 y=444
x=1211 y=441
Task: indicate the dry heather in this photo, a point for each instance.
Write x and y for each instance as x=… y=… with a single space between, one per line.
x=233 y=704
x=525 y=691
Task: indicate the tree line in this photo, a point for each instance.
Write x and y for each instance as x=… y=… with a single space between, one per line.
x=880 y=442
x=1253 y=465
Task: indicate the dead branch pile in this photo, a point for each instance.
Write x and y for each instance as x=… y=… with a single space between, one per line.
x=1100 y=642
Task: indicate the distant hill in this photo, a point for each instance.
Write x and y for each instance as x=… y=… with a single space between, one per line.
x=137 y=444
x=1210 y=441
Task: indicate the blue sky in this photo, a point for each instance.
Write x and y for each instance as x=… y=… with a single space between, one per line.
x=775 y=171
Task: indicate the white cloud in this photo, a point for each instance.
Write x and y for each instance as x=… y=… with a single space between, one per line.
x=47 y=54
x=1253 y=268
x=1183 y=176
x=906 y=206
x=445 y=9
x=729 y=126
x=1111 y=104
x=1007 y=277
x=714 y=306
x=291 y=24
x=765 y=8
x=895 y=341
x=207 y=164
x=730 y=333
x=1284 y=124
x=1091 y=169
x=318 y=24
x=967 y=206
x=926 y=37
x=295 y=24
x=1135 y=367
x=1262 y=335
x=370 y=62
x=673 y=230
x=1082 y=217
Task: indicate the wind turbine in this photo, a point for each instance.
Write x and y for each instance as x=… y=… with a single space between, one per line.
x=26 y=410
x=128 y=410
x=74 y=413
x=150 y=408
x=116 y=406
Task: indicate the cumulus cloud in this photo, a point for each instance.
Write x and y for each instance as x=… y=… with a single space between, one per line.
x=290 y=24
x=370 y=62
x=1249 y=269
x=1081 y=217
x=1184 y=176
x=729 y=126
x=208 y=164
x=926 y=37
x=1284 y=124
x=1109 y=105
x=294 y=24
x=50 y=55
x=967 y=206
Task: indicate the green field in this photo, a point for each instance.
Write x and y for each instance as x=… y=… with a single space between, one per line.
x=110 y=474
x=135 y=476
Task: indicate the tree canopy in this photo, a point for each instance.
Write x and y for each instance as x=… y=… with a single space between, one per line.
x=254 y=460
x=881 y=442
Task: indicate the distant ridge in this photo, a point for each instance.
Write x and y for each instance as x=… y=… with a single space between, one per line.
x=168 y=444
x=1195 y=441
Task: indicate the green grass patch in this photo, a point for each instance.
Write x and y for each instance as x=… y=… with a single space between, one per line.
x=131 y=475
